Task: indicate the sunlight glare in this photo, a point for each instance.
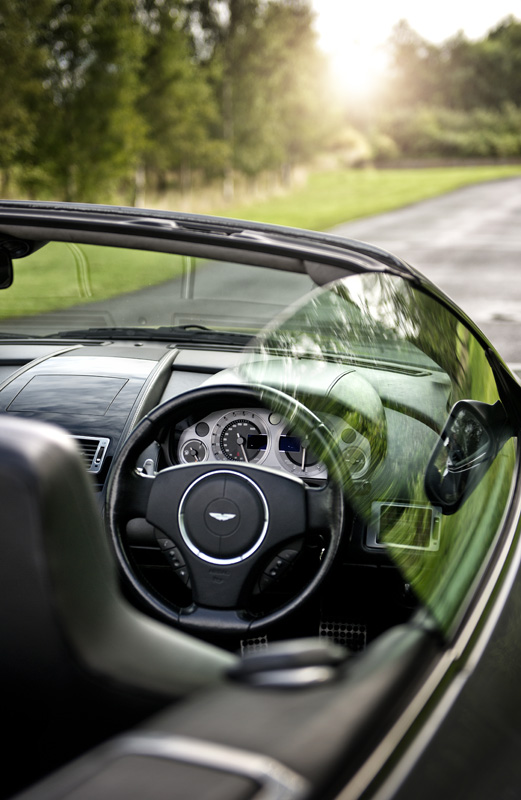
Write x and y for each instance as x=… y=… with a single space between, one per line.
x=353 y=35
x=357 y=69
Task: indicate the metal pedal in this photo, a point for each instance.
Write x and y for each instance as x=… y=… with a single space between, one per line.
x=253 y=645
x=348 y=634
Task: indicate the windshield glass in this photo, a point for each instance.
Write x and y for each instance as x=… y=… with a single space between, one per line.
x=412 y=403
x=65 y=286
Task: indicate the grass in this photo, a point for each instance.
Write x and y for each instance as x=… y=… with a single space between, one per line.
x=61 y=275
x=330 y=198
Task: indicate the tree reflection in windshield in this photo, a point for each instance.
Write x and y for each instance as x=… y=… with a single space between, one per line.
x=389 y=360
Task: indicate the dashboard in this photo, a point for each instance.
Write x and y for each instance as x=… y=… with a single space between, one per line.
x=99 y=394
x=263 y=437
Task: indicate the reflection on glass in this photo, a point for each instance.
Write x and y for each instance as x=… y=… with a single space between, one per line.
x=64 y=286
x=375 y=354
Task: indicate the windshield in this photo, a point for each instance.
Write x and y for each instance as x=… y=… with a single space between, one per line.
x=414 y=408
x=418 y=437
x=66 y=287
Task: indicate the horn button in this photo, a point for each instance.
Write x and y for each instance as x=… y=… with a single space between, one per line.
x=223 y=517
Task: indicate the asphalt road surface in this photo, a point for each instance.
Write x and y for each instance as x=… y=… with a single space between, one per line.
x=468 y=242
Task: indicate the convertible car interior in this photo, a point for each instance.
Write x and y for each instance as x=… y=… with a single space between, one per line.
x=256 y=487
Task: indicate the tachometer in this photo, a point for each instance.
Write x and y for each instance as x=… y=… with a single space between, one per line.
x=295 y=455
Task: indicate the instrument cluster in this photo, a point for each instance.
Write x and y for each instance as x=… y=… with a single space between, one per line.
x=259 y=436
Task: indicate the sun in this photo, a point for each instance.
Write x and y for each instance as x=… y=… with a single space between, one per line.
x=357 y=69
x=357 y=57
x=354 y=35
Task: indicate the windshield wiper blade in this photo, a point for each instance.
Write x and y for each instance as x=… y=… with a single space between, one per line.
x=10 y=335
x=175 y=333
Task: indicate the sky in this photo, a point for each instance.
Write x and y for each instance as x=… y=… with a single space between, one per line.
x=353 y=32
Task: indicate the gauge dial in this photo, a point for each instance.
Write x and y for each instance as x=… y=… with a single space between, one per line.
x=242 y=440
x=295 y=456
x=194 y=451
x=356 y=460
x=297 y=451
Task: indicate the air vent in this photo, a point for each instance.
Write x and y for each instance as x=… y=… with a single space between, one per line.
x=94 y=450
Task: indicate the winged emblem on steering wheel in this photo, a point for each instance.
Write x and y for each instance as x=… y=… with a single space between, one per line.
x=221 y=517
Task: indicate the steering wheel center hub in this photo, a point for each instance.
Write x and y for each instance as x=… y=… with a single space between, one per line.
x=223 y=517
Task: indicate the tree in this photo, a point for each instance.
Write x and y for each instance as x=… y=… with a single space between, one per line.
x=89 y=130
x=458 y=74
x=267 y=70
x=22 y=60
x=177 y=102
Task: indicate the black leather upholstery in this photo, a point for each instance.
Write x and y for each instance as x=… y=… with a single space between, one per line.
x=78 y=661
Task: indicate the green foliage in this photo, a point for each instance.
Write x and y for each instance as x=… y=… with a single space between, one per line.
x=445 y=132
x=267 y=78
x=89 y=132
x=460 y=99
x=459 y=73
x=102 y=99
x=22 y=60
x=176 y=102
x=97 y=92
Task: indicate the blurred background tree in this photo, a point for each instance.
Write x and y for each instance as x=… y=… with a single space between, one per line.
x=89 y=132
x=118 y=100
x=460 y=99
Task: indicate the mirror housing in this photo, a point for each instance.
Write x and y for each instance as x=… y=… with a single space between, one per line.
x=469 y=442
x=6 y=269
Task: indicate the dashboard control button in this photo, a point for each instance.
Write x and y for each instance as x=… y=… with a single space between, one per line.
x=165 y=544
x=289 y=554
x=175 y=558
x=276 y=568
x=184 y=575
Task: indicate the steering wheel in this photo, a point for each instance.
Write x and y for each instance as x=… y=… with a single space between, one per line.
x=221 y=523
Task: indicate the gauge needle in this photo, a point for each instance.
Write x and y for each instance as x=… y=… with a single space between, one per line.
x=194 y=453
x=240 y=442
x=303 y=464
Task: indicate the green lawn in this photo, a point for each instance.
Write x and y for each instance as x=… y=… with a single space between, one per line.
x=330 y=198
x=61 y=275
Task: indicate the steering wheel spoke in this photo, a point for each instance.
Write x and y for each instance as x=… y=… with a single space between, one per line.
x=218 y=586
x=135 y=494
x=200 y=619
x=319 y=504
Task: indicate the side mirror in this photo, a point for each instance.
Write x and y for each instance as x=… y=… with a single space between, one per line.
x=469 y=442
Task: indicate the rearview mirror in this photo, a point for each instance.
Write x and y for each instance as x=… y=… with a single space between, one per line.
x=6 y=269
x=469 y=442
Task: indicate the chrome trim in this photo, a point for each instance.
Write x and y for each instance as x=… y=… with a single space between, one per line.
x=163 y=365
x=100 y=453
x=35 y=362
x=461 y=647
x=184 y=533
x=275 y=780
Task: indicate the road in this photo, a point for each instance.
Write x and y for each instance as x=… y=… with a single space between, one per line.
x=469 y=243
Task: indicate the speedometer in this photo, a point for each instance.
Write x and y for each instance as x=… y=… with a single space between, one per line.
x=240 y=436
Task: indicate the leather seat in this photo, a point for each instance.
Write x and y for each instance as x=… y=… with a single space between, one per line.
x=79 y=663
